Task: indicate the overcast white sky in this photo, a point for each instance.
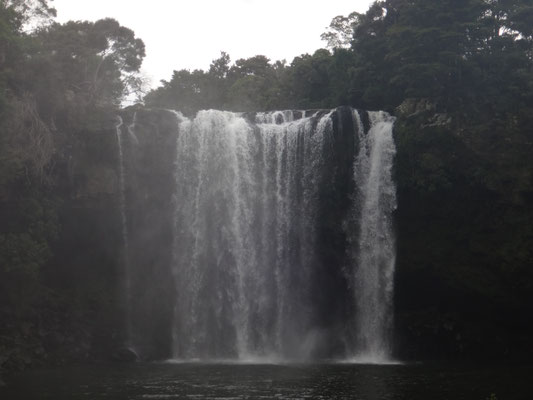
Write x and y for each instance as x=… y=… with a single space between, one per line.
x=189 y=34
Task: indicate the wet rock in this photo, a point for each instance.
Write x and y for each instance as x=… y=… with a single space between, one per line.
x=438 y=119
x=412 y=107
x=425 y=111
x=126 y=355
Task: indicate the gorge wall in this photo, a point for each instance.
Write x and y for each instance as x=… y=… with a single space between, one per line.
x=463 y=279
x=265 y=235
x=463 y=225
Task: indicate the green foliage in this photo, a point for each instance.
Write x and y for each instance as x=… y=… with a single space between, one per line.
x=428 y=158
x=34 y=11
x=465 y=221
x=26 y=237
x=465 y=56
x=256 y=84
x=308 y=79
x=339 y=34
x=248 y=85
x=9 y=49
x=59 y=86
x=22 y=254
x=86 y=63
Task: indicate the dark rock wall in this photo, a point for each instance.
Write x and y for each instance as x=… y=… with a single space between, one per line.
x=465 y=261
x=149 y=187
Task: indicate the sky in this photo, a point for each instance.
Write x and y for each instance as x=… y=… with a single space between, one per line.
x=189 y=34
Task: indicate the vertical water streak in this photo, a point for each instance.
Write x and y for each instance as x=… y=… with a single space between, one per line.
x=131 y=129
x=374 y=272
x=288 y=150
x=126 y=273
x=241 y=146
x=188 y=175
x=246 y=201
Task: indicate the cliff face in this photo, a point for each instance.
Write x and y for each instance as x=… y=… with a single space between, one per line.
x=58 y=255
x=150 y=169
x=464 y=224
x=464 y=231
x=464 y=271
x=149 y=149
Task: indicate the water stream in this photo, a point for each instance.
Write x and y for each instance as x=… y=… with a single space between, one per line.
x=249 y=206
x=126 y=273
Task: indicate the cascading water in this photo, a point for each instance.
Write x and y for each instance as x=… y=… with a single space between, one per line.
x=374 y=251
x=251 y=207
x=126 y=289
x=244 y=218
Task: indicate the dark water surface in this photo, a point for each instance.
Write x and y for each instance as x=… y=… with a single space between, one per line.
x=306 y=381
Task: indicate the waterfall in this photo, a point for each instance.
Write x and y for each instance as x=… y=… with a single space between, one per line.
x=244 y=216
x=126 y=276
x=375 y=248
x=251 y=207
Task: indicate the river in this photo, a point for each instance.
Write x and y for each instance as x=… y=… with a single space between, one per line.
x=283 y=381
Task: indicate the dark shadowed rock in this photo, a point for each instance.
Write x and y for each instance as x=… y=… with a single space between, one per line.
x=126 y=355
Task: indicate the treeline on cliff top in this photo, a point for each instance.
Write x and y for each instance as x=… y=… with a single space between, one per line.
x=470 y=55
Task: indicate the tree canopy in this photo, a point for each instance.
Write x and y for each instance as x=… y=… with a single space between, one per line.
x=458 y=53
x=56 y=82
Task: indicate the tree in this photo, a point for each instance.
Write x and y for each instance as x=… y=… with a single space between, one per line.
x=220 y=67
x=428 y=43
x=9 y=48
x=250 y=84
x=254 y=84
x=96 y=61
x=307 y=80
x=340 y=32
x=31 y=13
x=370 y=77
x=217 y=83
